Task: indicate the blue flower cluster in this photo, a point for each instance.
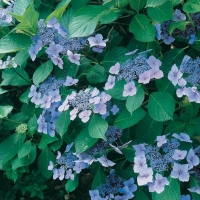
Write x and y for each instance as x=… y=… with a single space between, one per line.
x=47 y=120
x=189 y=33
x=56 y=38
x=68 y=164
x=114 y=188
x=47 y=93
x=85 y=102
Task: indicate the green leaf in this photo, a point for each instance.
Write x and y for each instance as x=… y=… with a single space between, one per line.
x=2 y=91
x=14 y=42
x=21 y=57
x=84 y=141
x=10 y=146
x=71 y=185
x=155 y=46
x=15 y=77
x=20 y=6
x=24 y=149
x=129 y=152
x=174 y=127
x=85 y=20
x=142 y=29
x=43 y=162
x=29 y=22
x=139 y=194
x=173 y=56
x=32 y=125
x=137 y=5
x=110 y=17
x=63 y=122
x=45 y=140
x=5 y=110
x=176 y=2
x=60 y=9
x=99 y=178
x=172 y=191
x=77 y=4
x=42 y=72
x=66 y=17
x=126 y=120
x=112 y=57
x=161 y=106
x=97 y=126
x=24 y=97
x=191 y=6
x=164 y=85
x=96 y=74
x=117 y=91
x=148 y=129
x=177 y=25
x=155 y=3
x=161 y=13
x=134 y=102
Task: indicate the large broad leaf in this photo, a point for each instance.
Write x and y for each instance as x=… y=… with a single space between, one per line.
x=138 y=4
x=161 y=106
x=84 y=141
x=139 y=194
x=60 y=9
x=161 y=13
x=5 y=110
x=15 y=77
x=14 y=42
x=77 y=4
x=43 y=162
x=134 y=102
x=32 y=125
x=42 y=72
x=99 y=178
x=126 y=120
x=24 y=149
x=20 y=7
x=96 y=74
x=63 y=122
x=142 y=29
x=10 y=146
x=173 y=56
x=85 y=20
x=155 y=3
x=29 y=22
x=117 y=91
x=112 y=57
x=71 y=185
x=172 y=191
x=66 y=18
x=191 y=6
x=148 y=129
x=97 y=126
x=45 y=140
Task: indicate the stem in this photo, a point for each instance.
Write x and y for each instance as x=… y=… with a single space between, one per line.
x=190 y=19
x=110 y=32
x=10 y=120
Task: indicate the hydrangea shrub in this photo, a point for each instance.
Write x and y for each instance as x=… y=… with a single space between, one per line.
x=100 y=99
